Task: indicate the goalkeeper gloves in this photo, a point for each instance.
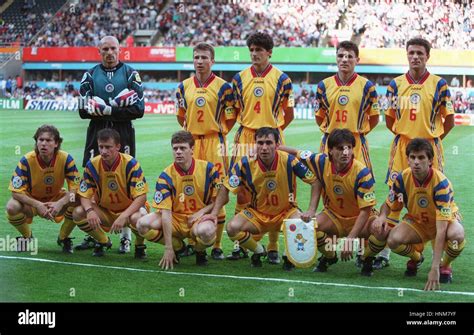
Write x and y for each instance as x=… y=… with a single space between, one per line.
x=97 y=107
x=124 y=98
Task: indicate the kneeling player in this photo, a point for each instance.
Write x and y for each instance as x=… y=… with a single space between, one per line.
x=271 y=181
x=432 y=215
x=184 y=193
x=37 y=188
x=112 y=193
x=348 y=193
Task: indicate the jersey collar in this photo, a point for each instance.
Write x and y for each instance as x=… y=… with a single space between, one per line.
x=426 y=181
x=42 y=163
x=420 y=81
x=208 y=81
x=181 y=172
x=263 y=74
x=106 y=69
x=343 y=172
x=339 y=82
x=274 y=164
x=114 y=164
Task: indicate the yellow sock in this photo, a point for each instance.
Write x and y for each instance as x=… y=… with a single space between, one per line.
x=374 y=246
x=19 y=222
x=68 y=225
x=245 y=240
x=219 y=232
x=99 y=235
x=273 y=237
x=451 y=251
x=408 y=250
x=321 y=239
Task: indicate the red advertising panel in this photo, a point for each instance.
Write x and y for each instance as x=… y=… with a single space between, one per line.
x=91 y=54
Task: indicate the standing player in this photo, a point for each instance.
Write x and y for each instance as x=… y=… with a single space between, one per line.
x=270 y=179
x=348 y=195
x=264 y=98
x=419 y=106
x=432 y=216
x=184 y=193
x=117 y=184
x=205 y=108
x=347 y=100
x=37 y=187
x=112 y=96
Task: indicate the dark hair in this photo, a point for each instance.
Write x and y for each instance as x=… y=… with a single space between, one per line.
x=108 y=133
x=183 y=136
x=338 y=136
x=420 y=144
x=260 y=39
x=348 y=45
x=420 y=41
x=204 y=47
x=266 y=131
x=48 y=128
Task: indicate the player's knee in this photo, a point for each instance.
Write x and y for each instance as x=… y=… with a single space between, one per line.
x=232 y=228
x=456 y=234
x=393 y=241
x=207 y=233
x=142 y=225
x=13 y=207
x=78 y=214
x=134 y=218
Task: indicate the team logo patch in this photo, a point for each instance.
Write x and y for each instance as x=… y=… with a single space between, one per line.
x=17 y=182
x=446 y=212
x=375 y=106
x=308 y=174
x=449 y=105
x=77 y=180
x=140 y=186
x=109 y=88
x=393 y=175
x=247 y=213
x=305 y=154
x=234 y=181
x=415 y=98
x=368 y=197
x=271 y=185
x=292 y=227
x=291 y=100
x=49 y=180
x=258 y=91
x=338 y=190
x=83 y=186
x=343 y=100
x=391 y=196
x=112 y=185
x=188 y=190
x=158 y=197
x=200 y=102
x=137 y=77
x=423 y=202
x=229 y=110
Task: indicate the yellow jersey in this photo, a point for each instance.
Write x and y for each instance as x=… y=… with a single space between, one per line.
x=260 y=98
x=346 y=105
x=418 y=108
x=426 y=203
x=272 y=190
x=205 y=106
x=344 y=192
x=114 y=187
x=186 y=192
x=42 y=181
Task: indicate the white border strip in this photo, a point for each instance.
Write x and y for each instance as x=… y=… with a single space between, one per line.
x=280 y=280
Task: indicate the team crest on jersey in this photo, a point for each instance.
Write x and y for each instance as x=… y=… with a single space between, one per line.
x=200 y=101
x=77 y=180
x=229 y=110
x=446 y=212
x=309 y=174
x=109 y=88
x=234 y=181
x=369 y=197
x=393 y=175
x=305 y=154
x=271 y=185
x=83 y=186
x=140 y=186
x=247 y=213
x=158 y=197
x=415 y=98
x=258 y=91
x=343 y=100
x=188 y=190
x=112 y=185
x=48 y=180
x=292 y=227
x=338 y=190
x=17 y=182
x=423 y=202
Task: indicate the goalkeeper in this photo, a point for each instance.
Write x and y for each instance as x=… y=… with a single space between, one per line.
x=111 y=97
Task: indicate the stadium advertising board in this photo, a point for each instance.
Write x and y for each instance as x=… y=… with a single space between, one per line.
x=53 y=105
x=160 y=108
x=6 y=103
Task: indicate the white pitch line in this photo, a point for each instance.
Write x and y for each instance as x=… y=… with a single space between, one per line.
x=281 y=280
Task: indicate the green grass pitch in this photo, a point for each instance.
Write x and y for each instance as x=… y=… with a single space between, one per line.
x=51 y=276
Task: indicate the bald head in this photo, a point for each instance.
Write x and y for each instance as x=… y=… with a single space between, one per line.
x=109 y=50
